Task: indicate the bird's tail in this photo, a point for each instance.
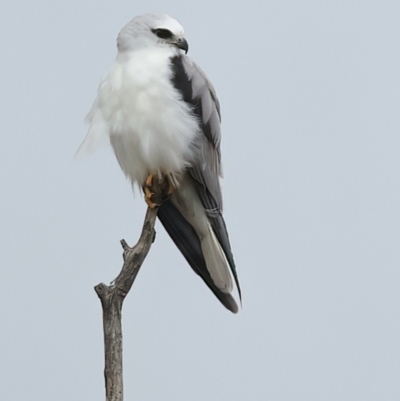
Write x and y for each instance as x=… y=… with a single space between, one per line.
x=219 y=269
x=216 y=262
x=204 y=255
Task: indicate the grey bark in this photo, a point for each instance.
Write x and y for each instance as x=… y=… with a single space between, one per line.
x=112 y=298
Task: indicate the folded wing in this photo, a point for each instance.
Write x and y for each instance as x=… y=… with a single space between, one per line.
x=193 y=216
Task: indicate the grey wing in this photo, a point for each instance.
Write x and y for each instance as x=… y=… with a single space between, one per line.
x=204 y=172
x=207 y=169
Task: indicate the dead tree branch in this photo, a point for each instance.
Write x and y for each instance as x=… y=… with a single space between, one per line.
x=112 y=298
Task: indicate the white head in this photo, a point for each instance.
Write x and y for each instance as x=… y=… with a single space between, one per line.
x=152 y=30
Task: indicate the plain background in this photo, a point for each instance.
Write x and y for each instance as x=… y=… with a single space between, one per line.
x=310 y=101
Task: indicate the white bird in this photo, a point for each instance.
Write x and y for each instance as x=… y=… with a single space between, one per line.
x=162 y=117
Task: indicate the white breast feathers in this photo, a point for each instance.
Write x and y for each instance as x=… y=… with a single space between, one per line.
x=150 y=127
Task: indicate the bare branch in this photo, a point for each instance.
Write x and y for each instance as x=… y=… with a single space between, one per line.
x=112 y=298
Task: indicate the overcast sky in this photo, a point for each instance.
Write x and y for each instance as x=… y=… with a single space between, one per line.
x=310 y=102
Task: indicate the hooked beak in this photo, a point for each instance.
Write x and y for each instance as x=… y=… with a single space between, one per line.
x=181 y=43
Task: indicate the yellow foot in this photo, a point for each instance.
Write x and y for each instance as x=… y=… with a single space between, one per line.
x=158 y=189
x=149 y=181
x=148 y=198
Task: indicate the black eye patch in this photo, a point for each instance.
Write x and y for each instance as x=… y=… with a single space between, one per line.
x=163 y=33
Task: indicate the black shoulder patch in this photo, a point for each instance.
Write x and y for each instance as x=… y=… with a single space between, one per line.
x=183 y=85
x=181 y=80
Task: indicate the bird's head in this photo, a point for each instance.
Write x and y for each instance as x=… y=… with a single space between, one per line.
x=152 y=30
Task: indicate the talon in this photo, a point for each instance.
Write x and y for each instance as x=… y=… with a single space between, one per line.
x=158 y=189
x=148 y=198
x=149 y=181
x=151 y=204
x=147 y=192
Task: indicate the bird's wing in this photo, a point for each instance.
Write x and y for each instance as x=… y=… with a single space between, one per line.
x=203 y=174
x=199 y=93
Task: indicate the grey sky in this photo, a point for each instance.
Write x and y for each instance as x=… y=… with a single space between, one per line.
x=310 y=109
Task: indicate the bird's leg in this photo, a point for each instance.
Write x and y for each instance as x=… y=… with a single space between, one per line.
x=157 y=189
x=148 y=198
x=150 y=179
x=148 y=191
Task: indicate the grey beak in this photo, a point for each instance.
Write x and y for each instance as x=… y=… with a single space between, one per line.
x=183 y=44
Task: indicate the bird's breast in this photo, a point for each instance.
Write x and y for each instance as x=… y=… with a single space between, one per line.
x=151 y=128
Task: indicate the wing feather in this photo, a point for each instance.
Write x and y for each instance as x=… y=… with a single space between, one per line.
x=197 y=90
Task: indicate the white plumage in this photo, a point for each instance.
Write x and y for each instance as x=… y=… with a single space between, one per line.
x=150 y=127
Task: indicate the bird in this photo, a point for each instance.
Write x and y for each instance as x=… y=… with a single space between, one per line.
x=162 y=117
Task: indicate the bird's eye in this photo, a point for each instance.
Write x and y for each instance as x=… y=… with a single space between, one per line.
x=163 y=33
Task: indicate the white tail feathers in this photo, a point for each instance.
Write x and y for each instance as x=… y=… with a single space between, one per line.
x=216 y=262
